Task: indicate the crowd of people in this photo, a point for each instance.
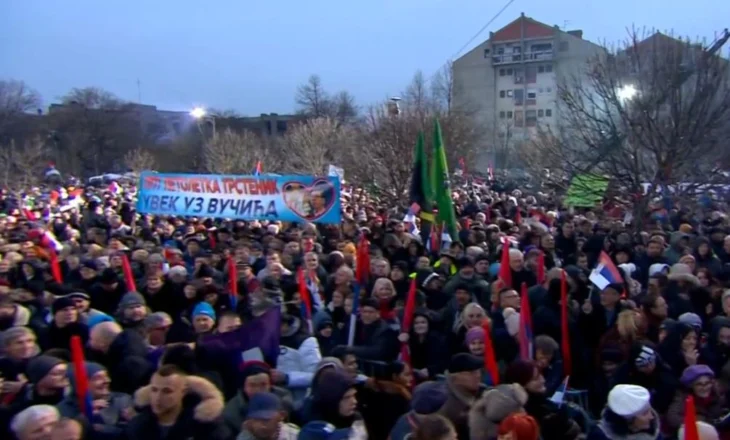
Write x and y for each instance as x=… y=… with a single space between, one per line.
x=161 y=305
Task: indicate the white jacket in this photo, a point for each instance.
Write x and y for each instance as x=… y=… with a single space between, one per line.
x=299 y=364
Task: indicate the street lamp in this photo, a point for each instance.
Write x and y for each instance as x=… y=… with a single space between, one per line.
x=626 y=92
x=200 y=114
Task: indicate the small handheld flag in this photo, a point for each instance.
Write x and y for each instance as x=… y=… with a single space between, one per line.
x=559 y=396
x=232 y=282
x=306 y=300
x=605 y=272
x=258 y=169
x=128 y=275
x=408 y=321
x=82 y=382
x=690 y=420
x=490 y=361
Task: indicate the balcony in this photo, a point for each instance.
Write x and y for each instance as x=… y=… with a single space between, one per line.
x=527 y=57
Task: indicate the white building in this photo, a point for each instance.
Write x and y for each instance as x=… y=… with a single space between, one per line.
x=511 y=81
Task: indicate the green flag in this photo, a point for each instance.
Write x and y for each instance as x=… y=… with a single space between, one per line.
x=442 y=185
x=420 y=192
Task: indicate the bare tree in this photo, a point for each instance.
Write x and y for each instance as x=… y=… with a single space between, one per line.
x=139 y=159
x=233 y=152
x=442 y=87
x=17 y=100
x=345 y=109
x=313 y=100
x=316 y=143
x=652 y=113
x=416 y=96
x=22 y=166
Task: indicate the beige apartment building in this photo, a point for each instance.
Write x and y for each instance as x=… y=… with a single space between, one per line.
x=511 y=81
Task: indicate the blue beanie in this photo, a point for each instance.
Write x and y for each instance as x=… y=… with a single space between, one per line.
x=203 y=308
x=98 y=318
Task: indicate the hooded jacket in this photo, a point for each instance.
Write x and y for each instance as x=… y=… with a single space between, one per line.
x=200 y=419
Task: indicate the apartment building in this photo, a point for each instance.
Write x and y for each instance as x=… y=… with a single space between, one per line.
x=511 y=80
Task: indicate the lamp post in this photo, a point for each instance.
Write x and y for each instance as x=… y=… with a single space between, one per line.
x=201 y=115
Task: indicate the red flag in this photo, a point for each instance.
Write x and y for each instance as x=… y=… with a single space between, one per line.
x=565 y=337
x=541 y=267
x=232 y=281
x=408 y=321
x=490 y=361
x=526 y=340
x=362 y=265
x=55 y=266
x=505 y=273
x=306 y=300
x=82 y=382
x=690 y=420
x=128 y=275
x=518 y=217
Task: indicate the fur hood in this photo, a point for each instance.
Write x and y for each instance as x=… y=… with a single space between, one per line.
x=211 y=399
x=388 y=387
x=493 y=407
x=608 y=430
x=22 y=316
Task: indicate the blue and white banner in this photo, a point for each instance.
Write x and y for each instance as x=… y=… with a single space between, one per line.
x=265 y=197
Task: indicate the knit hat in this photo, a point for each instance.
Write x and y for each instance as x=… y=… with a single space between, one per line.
x=691 y=319
x=428 y=397
x=40 y=366
x=474 y=334
x=98 y=318
x=205 y=309
x=658 y=268
x=61 y=303
x=80 y=295
x=131 y=299
x=691 y=374
x=628 y=401
x=263 y=406
x=253 y=368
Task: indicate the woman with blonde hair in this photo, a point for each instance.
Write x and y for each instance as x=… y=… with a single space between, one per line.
x=472 y=316
x=384 y=293
x=629 y=328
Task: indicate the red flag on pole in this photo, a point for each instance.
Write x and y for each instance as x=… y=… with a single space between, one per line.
x=232 y=281
x=690 y=420
x=526 y=340
x=305 y=298
x=408 y=321
x=490 y=361
x=128 y=275
x=82 y=382
x=564 y=330
x=541 y=267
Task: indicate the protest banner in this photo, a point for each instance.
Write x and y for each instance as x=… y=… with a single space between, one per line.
x=586 y=191
x=284 y=198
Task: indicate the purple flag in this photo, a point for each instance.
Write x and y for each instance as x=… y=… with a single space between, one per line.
x=262 y=333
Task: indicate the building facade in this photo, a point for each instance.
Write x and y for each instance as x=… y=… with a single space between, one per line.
x=511 y=81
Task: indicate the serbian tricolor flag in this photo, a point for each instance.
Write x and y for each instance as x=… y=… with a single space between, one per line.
x=232 y=282
x=362 y=274
x=605 y=272
x=490 y=360
x=559 y=396
x=306 y=300
x=128 y=275
x=564 y=328
x=258 y=169
x=690 y=420
x=82 y=382
x=408 y=312
x=49 y=241
x=527 y=350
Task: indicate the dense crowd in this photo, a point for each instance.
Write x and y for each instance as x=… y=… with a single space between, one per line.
x=121 y=325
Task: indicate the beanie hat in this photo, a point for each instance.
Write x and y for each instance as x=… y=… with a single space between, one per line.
x=691 y=319
x=205 y=309
x=61 y=303
x=628 y=400
x=98 y=318
x=691 y=374
x=131 y=299
x=321 y=430
x=474 y=334
x=428 y=397
x=252 y=368
x=40 y=366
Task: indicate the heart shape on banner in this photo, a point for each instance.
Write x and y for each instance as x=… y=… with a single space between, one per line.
x=310 y=202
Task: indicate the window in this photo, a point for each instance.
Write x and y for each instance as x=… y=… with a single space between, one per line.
x=563 y=47
x=502 y=93
x=548 y=113
x=541 y=47
x=509 y=93
x=500 y=51
x=519 y=96
x=531 y=94
x=509 y=72
x=540 y=90
x=486 y=53
x=548 y=68
x=281 y=127
x=531 y=118
x=549 y=89
x=541 y=69
x=516 y=49
x=501 y=115
x=519 y=120
x=509 y=115
x=540 y=113
x=531 y=74
x=501 y=72
x=519 y=76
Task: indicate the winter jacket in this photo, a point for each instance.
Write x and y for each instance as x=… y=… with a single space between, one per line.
x=381 y=404
x=299 y=363
x=612 y=428
x=200 y=419
x=108 y=422
x=287 y=431
x=235 y=409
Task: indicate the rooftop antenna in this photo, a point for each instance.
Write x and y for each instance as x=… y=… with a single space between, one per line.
x=565 y=24
x=139 y=92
